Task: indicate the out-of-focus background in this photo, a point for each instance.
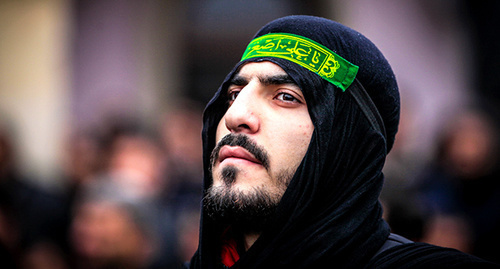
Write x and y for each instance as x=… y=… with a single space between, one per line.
x=100 y=121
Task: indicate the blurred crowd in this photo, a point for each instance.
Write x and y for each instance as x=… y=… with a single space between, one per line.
x=132 y=194
x=130 y=199
x=451 y=198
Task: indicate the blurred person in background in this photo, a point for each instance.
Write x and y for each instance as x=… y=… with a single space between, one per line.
x=135 y=157
x=461 y=188
x=112 y=227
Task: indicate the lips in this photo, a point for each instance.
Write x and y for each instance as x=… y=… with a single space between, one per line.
x=227 y=152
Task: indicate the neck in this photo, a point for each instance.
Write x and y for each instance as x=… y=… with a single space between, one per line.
x=250 y=239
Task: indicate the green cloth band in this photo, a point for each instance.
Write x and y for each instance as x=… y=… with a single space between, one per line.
x=306 y=53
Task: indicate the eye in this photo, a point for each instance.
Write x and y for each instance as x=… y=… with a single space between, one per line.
x=286 y=97
x=231 y=96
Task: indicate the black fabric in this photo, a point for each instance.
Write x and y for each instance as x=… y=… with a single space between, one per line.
x=399 y=252
x=392 y=241
x=426 y=256
x=329 y=216
x=368 y=107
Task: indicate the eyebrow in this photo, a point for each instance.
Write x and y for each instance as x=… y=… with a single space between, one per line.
x=280 y=79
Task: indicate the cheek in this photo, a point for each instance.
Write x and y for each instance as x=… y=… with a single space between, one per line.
x=292 y=146
x=302 y=133
x=302 y=140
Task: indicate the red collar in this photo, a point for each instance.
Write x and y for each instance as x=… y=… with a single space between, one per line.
x=229 y=253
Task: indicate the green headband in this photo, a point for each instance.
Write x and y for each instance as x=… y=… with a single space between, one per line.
x=306 y=53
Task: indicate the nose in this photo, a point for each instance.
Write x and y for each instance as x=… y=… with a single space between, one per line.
x=242 y=116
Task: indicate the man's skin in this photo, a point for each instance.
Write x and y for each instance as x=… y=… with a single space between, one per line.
x=269 y=108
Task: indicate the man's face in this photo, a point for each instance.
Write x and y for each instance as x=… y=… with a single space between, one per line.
x=270 y=130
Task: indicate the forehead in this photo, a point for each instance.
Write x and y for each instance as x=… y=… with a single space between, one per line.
x=259 y=69
x=266 y=73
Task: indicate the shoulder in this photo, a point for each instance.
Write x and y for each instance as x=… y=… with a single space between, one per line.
x=408 y=254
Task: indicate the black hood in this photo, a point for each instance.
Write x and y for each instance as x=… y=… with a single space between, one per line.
x=330 y=213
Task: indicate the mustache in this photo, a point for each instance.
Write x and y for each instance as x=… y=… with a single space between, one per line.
x=245 y=142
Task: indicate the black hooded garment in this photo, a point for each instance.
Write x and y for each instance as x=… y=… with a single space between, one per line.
x=329 y=216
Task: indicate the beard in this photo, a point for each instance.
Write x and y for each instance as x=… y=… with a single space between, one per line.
x=247 y=210
x=250 y=210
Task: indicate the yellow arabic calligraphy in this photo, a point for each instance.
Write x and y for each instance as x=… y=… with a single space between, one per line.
x=330 y=67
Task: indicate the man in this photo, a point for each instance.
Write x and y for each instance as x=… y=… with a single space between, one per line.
x=293 y=151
